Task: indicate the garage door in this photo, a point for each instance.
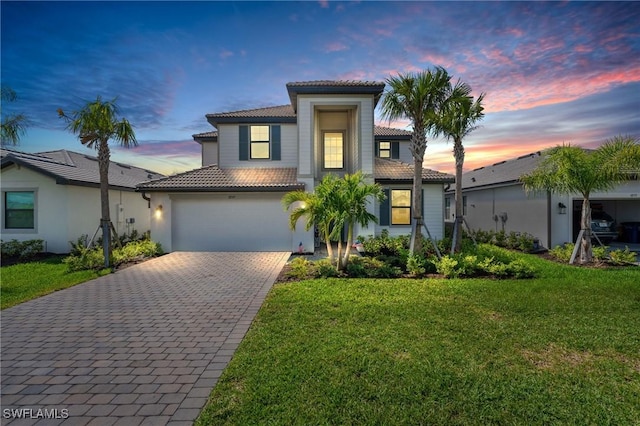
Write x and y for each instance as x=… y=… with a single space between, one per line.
x=230 y=222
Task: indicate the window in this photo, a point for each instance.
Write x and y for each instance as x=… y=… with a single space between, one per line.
x=259 y=146
x=384 y=150
x=464 y=205
x=401 y=207
x=387 y=149
x=333 y=150
x=19 y=207
x=447 y=207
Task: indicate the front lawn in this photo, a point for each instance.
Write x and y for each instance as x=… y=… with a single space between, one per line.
x=562 y=348
x=26 y=281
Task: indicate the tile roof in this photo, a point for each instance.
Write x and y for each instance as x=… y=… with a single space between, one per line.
x=74 y=168
x=391 y=132
x=334 y=87
x=393 y=170
x=214 y=179
x=210 y=136
x=503 y=172
x=274 y=114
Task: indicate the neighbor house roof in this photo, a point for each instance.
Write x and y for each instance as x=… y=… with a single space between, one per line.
x=393 y=171
x=74 y=168
x=206 y=137
x=501 y=173
x=334 y=87
x=214 y=179
x=391 y=133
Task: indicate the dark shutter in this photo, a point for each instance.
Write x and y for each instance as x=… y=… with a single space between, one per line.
x=275 y=143
x=385 y=209
x=395 y=150
x=244 y=143
x=422 y=212
x=377 y=149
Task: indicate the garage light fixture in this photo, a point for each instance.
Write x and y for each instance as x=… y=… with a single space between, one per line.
x=159 y=211
x=562 y=209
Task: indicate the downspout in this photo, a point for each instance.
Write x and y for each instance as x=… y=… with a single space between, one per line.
x=146 y=198
x=549 y=225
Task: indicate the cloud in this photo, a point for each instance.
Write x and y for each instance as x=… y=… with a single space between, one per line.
x=224 y=54
x=335 y=47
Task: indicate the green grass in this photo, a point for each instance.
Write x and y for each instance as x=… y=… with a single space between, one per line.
x=563 y=348
x=26 y=281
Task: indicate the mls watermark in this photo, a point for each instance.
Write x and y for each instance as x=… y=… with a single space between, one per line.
x=35 y=413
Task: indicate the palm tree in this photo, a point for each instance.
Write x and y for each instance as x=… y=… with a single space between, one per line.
x=417 y=97
x=13 y=126
x=570 y=169
x=457 y=120
x=95 y=124
x=318 y=208
x=353 y=198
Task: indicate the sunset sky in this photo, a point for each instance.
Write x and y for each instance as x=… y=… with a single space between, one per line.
x=553 y=73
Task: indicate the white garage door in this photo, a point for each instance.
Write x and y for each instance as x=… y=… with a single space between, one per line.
x=224 y=222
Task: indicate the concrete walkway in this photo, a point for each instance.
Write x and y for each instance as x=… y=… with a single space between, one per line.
x=142 y=346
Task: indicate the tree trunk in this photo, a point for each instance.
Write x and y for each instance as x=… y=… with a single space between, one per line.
x=327 y=239
x=458 y=153
x=345 y=258
x=417 y=147
x=105 y=220
x=586 y=252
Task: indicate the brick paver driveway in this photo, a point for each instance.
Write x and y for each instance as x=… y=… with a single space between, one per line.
x=142 y=346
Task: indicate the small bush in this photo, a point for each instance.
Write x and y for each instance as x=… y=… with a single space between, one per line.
x=520 y=269
x=447 y=266
x=621 y=257
x=562 y=253
x=21 y=249
x=485 y=260
x=301 y=269
x=416 y=266
x=87 y=259
x=325 y=269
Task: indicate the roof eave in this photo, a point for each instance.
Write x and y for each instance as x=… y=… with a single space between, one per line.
x=283 y=188
x=214 y=120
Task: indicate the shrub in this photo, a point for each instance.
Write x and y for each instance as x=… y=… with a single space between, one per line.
x=93 y=258
x=301 y=268
x=21 y=249
x=447 y=266
x=485 y=260
x=416 y=265
x=325 y=269
x=519 y=268
x=562 y=253
x=621 y=257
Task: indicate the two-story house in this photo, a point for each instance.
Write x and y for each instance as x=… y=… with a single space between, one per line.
x=233 y=202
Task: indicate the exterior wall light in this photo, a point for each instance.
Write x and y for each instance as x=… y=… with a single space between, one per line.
x=159 y=211
x=562 y=209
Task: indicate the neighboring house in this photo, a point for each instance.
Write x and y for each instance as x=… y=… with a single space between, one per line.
x=494 y=199
x=255 y=156
x=55 y=196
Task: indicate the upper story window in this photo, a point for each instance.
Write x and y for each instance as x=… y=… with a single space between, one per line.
x=333 y=147
x=260 y=142
x=387 y=149
x=19 y=209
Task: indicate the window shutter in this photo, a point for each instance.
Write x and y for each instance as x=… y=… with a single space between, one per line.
x=275 y=143
x=377 y=149
x=244 y=143
x=395 y=150
x=385 y=209
x=422 y=212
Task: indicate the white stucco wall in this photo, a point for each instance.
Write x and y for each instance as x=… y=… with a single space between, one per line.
x=65 y=212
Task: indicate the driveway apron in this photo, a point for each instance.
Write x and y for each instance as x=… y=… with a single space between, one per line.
x=144 y=345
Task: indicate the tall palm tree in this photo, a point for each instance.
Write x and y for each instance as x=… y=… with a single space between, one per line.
x=353 y=198
x=419 y=98
x=13 y=126
x=457 y=120
x=570 y=169
x=95 y=124
x=317 y=207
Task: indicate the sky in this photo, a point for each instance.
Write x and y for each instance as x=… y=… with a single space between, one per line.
x=552 y=72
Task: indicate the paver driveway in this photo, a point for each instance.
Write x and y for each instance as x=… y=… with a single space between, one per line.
x=142 y=346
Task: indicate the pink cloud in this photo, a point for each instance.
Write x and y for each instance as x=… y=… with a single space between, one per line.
x=335 y=47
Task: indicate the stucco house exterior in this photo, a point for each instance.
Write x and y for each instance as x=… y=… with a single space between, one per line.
x=494 y=199
x=253 y=157
x=55 y=196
